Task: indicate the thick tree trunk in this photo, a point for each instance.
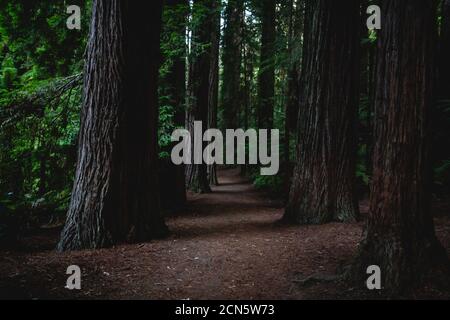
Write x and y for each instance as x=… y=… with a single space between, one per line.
x=266 y=82
x=199 y=85
x=231 y=60
x=323 y=187
x=214 y=83
x=115 y=196
x=400 y=236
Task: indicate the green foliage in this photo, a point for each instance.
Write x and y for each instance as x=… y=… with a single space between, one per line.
x=39 y=128
x=39 y=104
x=442 y=173
x=273 y=184
x=166 y=127
x=34 y=35
x=362 y=172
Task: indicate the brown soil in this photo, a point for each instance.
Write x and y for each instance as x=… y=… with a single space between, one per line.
x=225 y=246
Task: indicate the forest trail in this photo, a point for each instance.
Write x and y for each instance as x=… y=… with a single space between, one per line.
x=228 y=247
x=225 y=246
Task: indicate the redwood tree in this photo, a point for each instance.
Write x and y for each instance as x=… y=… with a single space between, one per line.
x=199 y=85
x=231 y=60
x=323 y=185
x=213 y=98
x=266 y=82
x=295 y=35
x=399 y=235
x=115 y=195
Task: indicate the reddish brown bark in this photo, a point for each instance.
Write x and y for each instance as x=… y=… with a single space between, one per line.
x=400 y=236
x=231 y=61
x=115 y=196
x=266 y=82
x=323 y=187
x=213 y=99
x=199 y=85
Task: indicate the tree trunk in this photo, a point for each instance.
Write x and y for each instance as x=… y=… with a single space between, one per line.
x=399 y=235
x=323 y=187
x=368 y=73
x=248 y=58
x=267 y=66
x=231 y=60
x=199 y=85
x=115 y=196
x=295 y=34
x=214 y=83
x=292 y=80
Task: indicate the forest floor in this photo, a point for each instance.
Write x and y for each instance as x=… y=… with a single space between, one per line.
x=226 y=245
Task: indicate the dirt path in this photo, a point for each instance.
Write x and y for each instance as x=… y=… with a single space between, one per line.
x=225 y=246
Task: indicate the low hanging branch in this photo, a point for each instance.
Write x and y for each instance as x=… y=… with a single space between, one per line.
x=35 y=103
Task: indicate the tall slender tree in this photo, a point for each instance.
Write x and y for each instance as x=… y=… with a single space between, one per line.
x=115 y=196
x=399 y=235
x=266 y=80
x=367 y=76
x=250 y=50
x=213 y=99
x=232 y=60
x=323 y=187
x=292 y=94
x=199 y=85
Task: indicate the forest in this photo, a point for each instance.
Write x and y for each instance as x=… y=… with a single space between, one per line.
x=358 y=104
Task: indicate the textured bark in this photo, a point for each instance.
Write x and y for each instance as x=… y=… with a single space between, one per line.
x=231 y=60
x=368 y=74
x=115 y=196
x=248 y=57
x=199 y=85
x=213 y=99
x=399 y=235
x=323 y=187
x=295 y=33
x=266 y=83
